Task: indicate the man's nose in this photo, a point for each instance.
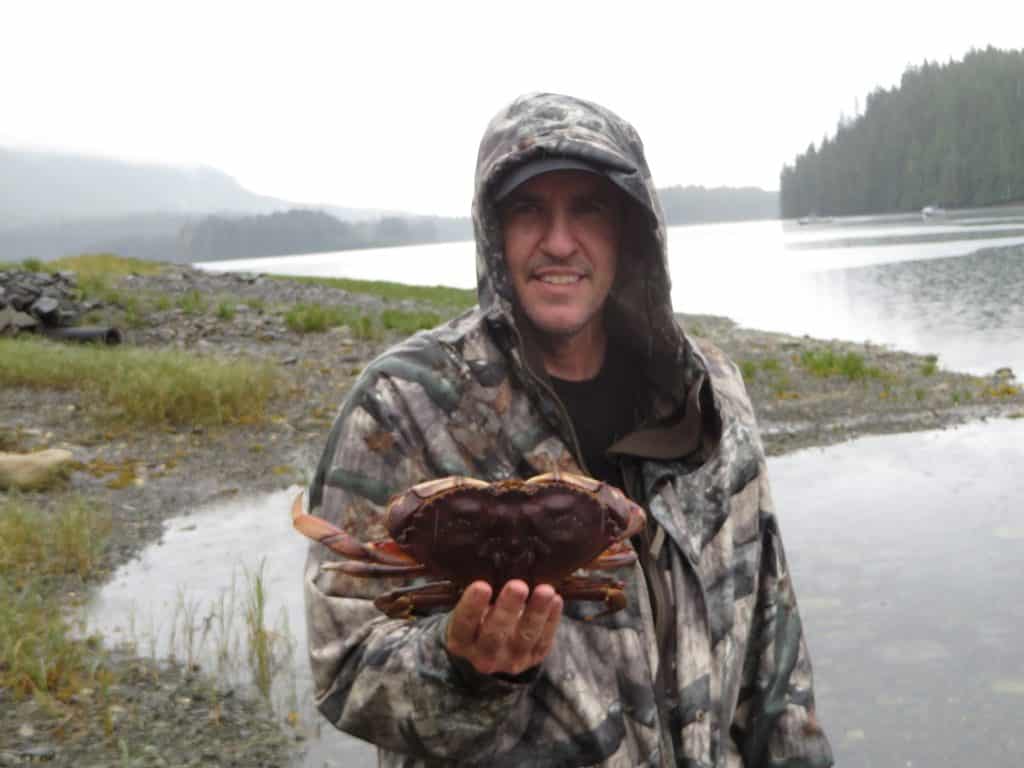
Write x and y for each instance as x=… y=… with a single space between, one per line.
x=559 y=238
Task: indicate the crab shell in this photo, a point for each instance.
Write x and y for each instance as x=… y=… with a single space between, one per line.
x=540 y=530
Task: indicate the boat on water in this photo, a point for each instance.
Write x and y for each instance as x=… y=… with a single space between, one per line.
x=931 y=212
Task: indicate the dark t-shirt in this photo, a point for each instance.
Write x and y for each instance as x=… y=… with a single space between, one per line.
x=602 y=411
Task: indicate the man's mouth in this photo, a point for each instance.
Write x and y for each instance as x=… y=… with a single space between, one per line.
x=559 y=278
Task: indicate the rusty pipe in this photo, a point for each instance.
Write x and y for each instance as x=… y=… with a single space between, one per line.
x=106 y=334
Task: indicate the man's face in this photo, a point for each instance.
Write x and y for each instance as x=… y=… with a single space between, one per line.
x=562 y=232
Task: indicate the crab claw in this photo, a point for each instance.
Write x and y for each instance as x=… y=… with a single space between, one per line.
x=337 y=540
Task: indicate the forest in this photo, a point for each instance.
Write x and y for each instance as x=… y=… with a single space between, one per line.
x=949 y=135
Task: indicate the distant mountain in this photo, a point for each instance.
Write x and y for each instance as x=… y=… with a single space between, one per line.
x=42 y=187
x=292 y=232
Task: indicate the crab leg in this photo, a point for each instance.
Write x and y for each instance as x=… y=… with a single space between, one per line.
x=617 y=555
x=608 y=591
x=318 y=529
x=363 y=568
x=400 y=603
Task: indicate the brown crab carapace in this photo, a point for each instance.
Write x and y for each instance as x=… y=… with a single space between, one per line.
x=461 y=530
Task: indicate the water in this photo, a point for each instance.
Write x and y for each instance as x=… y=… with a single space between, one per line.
x=908 y=555
x=186 y=598
x=858 y=279
x=907 y=552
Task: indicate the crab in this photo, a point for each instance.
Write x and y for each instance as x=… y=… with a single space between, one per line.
x=461 y=530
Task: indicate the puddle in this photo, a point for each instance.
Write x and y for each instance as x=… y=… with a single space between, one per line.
x=188 y=598
x=906 y=552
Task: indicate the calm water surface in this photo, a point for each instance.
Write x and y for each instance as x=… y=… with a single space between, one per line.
x=907 y=552
x=856 y=279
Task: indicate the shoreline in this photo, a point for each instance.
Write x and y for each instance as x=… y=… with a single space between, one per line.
x=806 y=392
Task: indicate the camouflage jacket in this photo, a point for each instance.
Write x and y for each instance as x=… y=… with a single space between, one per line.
x=707 y=665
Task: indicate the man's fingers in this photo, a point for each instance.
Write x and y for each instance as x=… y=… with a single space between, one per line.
x=547 y=633
x=501 y=620
x=531 y=624
x=467 y=615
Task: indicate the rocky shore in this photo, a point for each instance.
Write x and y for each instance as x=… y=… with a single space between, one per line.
x=807 y=392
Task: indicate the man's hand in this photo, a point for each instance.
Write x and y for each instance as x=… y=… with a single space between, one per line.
x=510 y=636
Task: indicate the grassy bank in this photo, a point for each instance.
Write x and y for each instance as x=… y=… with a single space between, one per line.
x=454 y=299
x=144 y=386
x=41 y=554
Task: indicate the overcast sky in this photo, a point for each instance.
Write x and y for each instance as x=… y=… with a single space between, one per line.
x=382 y=104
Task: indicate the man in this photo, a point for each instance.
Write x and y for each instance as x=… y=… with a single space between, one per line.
x=573 y=360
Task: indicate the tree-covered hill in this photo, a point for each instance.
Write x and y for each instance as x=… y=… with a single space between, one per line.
x=950 y=134
x=299 y=231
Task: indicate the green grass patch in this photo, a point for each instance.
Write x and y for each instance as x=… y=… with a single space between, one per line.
x=930 y=366
x=192 y=302
x=749 y=369
x=226 y=310
x=825 y=363
x=316 y=318
x=456 y=299
x=38 y=551
x=145 y=387
x=107 y=264
x=407 y=322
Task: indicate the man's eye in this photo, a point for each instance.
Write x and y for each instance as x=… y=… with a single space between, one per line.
x=591 y=205
x=522 y=208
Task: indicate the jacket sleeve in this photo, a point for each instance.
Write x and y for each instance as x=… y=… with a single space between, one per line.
x=780 y=727
x=389 y=681
x=392 y=682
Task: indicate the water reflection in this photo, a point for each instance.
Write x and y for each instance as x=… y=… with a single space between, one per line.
x=907 y=552
x=908 y=555
x=188 y=598
x=930 y=297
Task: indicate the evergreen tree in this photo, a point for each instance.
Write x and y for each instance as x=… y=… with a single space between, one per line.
x=950 y=134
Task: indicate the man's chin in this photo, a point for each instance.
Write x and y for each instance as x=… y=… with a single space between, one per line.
x=561 y=329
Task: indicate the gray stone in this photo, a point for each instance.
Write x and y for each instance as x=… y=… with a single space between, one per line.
x=45 y=308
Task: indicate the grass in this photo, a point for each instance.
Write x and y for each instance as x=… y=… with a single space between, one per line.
x=456 y=299
x=226 y=310
x=825 y=363
x=105 y=264
x=930 y=366
x=261 y=646
x=316 y=318
x=38 y=551
x=145 y=387
x=192 y=302
x=407 y=322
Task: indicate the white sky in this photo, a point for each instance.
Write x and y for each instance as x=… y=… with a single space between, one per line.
x=381 y=104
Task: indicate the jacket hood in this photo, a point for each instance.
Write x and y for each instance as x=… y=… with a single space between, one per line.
x=639 y=310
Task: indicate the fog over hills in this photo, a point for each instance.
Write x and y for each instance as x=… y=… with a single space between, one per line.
x=38 y=186
x=55 y=204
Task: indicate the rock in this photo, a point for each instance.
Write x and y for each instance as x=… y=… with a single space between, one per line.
x=32 y=471
x=45 y=308
x=12 y=320
x=49 y=298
